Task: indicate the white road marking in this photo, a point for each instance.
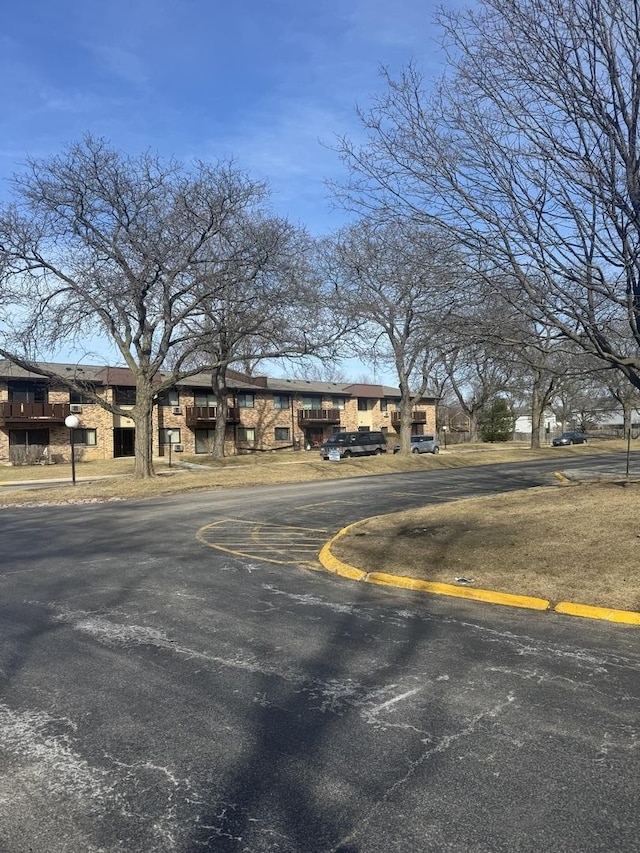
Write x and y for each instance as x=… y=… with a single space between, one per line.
x=394 y=700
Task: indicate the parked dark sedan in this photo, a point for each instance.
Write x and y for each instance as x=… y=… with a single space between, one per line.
x=569 y=438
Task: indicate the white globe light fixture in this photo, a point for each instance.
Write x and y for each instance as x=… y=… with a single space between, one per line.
x=72 y=422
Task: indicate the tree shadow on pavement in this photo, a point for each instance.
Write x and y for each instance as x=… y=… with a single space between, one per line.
x=280 y=795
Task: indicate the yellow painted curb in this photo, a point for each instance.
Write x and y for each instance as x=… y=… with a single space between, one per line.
x=473 y=593
x=333 y=564
x=588 y=611
x=560 y=476
x=338 y=567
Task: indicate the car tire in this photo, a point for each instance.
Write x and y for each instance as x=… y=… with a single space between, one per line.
x=415 y=450
x=436 y=450
x=346 y=454
x=377 y=451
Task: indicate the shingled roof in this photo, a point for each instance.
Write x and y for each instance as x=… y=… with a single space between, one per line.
x=122 y=376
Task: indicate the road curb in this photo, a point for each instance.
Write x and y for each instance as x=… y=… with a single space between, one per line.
x=473 y=593
x=338 y=567
x=588 y=611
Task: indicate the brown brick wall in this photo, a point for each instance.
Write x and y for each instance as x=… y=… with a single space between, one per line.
x=264 y=418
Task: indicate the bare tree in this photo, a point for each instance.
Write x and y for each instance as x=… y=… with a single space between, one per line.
x=262 y=299
x=531 y=355
x=315 y=370
x=529 y=152
x=97 y=241
x=396 y=281
x=476 y=376
x=624 y=395
x=578 y=401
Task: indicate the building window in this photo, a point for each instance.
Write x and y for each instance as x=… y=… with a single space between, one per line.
x=84 y=435
x=81 y=398
x=204 y=440
x=28 y=437
x=28 y=392
x=28 y=446
x=205 y=398
x=165 y=438
x=383 y=405
x=364 y=404
x=124 y=396
x=246 y=435
x=337 y=403
x=246 y=401
x=282 y=434
x=311 y=403
x=169 y=397
x=281 y=401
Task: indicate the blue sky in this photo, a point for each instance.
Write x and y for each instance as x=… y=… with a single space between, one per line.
x=270 y=83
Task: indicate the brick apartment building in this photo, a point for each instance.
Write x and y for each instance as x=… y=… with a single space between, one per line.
x=264 y=413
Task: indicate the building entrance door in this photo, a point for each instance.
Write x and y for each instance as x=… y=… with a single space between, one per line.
x=124 y=441
x=313 y=436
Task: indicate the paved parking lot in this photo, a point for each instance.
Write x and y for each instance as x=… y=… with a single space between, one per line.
x=160 y=694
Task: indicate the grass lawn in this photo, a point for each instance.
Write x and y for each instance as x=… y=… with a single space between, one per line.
x=577 y=543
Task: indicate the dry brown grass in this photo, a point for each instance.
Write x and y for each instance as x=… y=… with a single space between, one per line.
x=18 y=473
x=258 y=469
x=565 y=543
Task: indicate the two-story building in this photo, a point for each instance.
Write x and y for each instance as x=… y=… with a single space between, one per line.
x=263 y=413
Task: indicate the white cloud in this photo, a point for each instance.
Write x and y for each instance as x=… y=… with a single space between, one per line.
x=120 y=62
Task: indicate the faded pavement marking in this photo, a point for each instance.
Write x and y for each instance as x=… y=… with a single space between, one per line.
x=259 y=540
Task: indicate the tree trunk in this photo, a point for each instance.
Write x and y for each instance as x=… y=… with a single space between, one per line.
x=405 y=422
x=142 y=415
x=537 y=415
x=219 y=386
x=473 y=416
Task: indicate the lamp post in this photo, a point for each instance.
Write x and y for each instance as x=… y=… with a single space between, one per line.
x=444 y=434
x=169 y=434
x=628 y=452
x=72 y=422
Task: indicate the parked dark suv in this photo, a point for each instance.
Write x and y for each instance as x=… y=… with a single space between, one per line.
x=355 y=444
x=569 y=438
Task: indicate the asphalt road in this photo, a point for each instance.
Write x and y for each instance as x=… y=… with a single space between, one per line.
x=178 y=675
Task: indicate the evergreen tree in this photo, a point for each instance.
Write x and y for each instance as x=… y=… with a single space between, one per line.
x=497 y=422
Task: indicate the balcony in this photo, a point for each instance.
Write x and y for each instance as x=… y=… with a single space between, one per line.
x=417 y=417
x=318 y=416
x=31 y=413
x=204 y=416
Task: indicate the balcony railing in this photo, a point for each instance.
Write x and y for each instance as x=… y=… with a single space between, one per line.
x=22 y=413
x=206 y=415
x=318 y=416
x=417 y=417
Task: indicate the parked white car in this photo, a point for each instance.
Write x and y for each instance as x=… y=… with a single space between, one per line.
x=422 y=444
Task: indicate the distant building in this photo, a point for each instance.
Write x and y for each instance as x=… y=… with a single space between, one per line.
x=263 y=413
x=550 y=425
